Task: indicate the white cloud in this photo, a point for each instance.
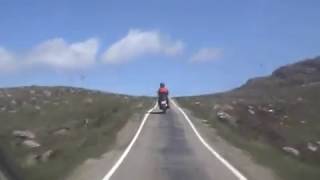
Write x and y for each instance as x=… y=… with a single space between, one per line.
x=207 y=55
x=138 y=43
x=57 y=53
x=7 y=61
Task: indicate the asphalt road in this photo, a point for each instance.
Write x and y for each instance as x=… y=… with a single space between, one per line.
x=168 y=149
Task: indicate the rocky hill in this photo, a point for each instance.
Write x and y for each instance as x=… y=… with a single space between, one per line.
x=281 y=110
x=46 y=131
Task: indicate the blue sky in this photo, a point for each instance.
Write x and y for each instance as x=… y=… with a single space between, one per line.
x=130 y=46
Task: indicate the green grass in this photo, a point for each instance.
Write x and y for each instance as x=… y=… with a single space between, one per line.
x=107 y=114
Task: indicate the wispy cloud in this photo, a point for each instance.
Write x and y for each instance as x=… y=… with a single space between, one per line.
x=206 y=55
x=138 y=43
x=54 y=53
x=57 y=53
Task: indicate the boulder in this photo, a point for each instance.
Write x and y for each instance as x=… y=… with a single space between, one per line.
x=31 y=143
x=312 y=147
x=291 y=150
x=24 y=134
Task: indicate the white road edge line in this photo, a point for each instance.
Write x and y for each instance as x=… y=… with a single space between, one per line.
x=127 y=150
x=217 y=155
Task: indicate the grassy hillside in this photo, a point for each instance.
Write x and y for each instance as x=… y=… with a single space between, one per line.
x=276 y=118
x=46 y=131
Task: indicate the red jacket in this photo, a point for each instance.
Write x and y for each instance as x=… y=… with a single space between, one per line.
x=163 y=91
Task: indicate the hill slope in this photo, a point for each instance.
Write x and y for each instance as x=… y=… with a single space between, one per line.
x=276 y=118
x=46 y=131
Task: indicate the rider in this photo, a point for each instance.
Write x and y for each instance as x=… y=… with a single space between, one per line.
x=163 y=92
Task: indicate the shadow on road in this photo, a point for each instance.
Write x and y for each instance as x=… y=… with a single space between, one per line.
x=156 y=112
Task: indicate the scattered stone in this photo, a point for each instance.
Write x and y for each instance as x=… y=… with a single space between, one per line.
x=250 y=107
x=216 y=106
x=205 y=121
x=13 y=111
x=3 y=109
x=31 y=143
x=197 y=103
x=140 y=105
x=252 y=112
x=9 y=95
x=56 y=103
x=13 y=102
x=47 y=155
x=302 y=122
x=32 y=92
x=24 y=134
x=88 y=100
x=37 y=108
x=312 y=147
x=234 y=102
x=86 y=123
x=299 y=99
x=291 y=150
x=47 y=93
x=318 y=142
x=62 y=131
x=226 y=117
x=271 y=110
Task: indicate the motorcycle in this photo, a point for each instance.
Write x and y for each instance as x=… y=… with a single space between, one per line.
x=163 y=105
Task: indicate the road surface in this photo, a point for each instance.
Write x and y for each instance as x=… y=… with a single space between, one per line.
x=168 y=149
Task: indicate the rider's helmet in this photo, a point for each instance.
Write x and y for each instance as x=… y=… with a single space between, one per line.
x=162 y=85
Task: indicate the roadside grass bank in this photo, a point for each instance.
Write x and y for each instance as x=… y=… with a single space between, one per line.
x=284 y=165
x=69 y=125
